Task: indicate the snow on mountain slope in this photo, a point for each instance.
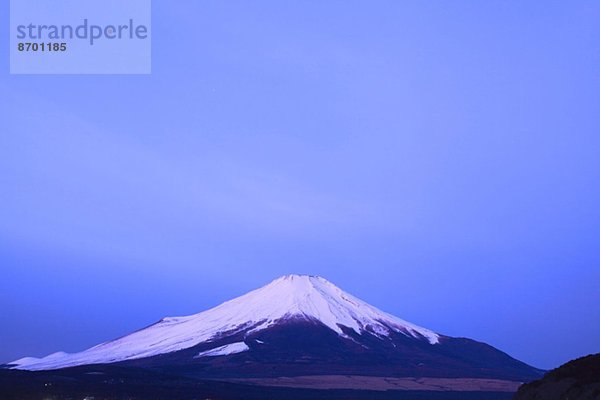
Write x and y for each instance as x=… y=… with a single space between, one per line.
x=291 y=296
x=232 y=348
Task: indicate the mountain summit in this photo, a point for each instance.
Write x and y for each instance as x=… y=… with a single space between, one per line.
x=291 y=297
x=295 y=325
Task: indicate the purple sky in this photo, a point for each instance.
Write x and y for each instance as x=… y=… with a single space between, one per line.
x=440 y=161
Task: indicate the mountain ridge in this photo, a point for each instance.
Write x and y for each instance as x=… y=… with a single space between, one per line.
x=289 y=296
x=297 y=325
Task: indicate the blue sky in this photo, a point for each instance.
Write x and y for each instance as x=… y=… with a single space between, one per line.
x=438 y=160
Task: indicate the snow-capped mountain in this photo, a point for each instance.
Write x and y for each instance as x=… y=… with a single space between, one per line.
x=291 y=296
x=295 y=325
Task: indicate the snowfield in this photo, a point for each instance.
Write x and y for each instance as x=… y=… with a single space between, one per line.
x=291 y=296
x=226 y=350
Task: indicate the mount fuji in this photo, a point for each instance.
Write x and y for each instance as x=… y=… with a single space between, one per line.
x=295 y=327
